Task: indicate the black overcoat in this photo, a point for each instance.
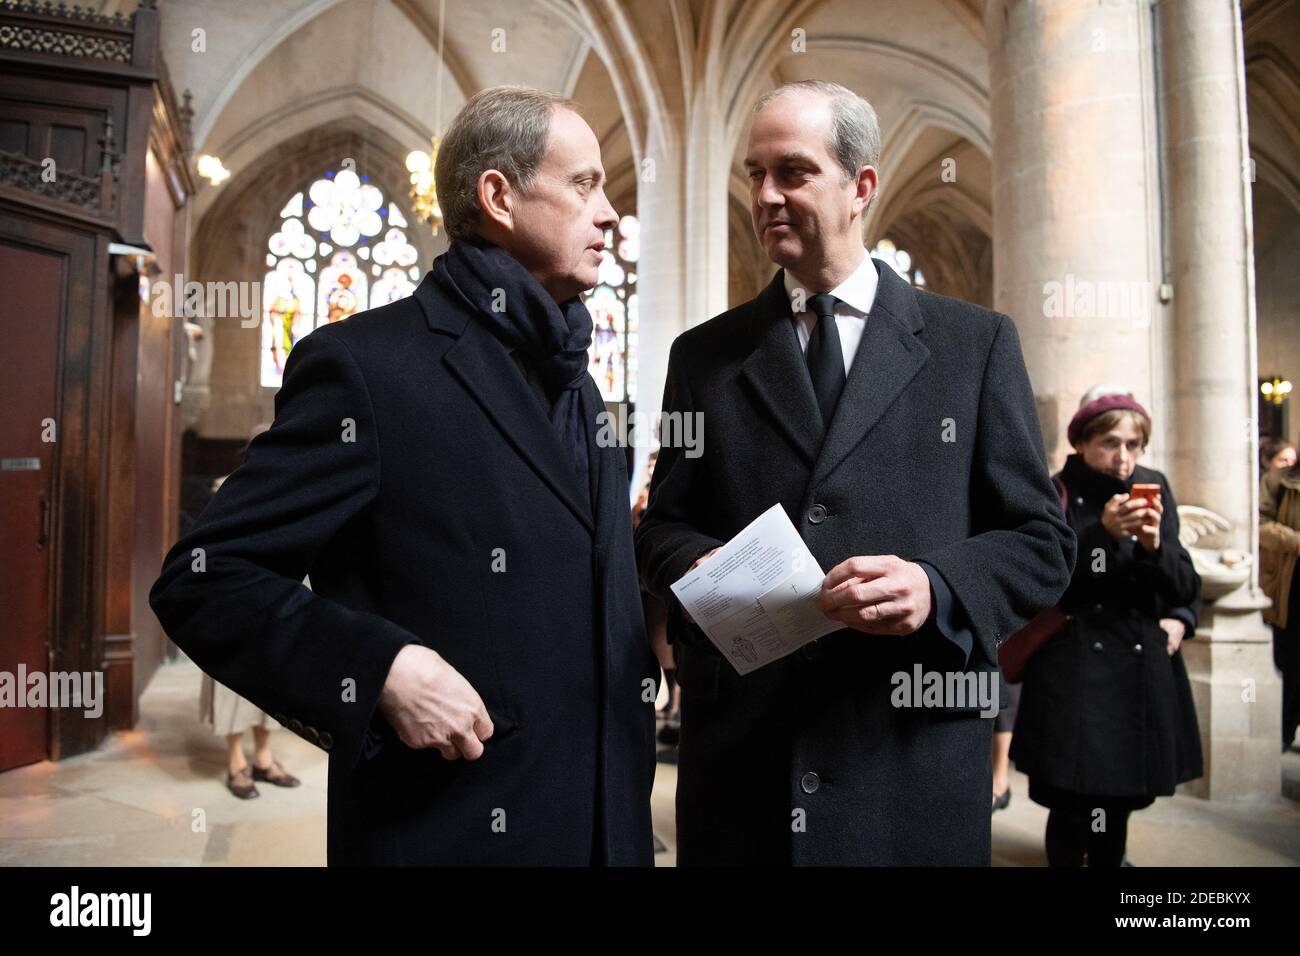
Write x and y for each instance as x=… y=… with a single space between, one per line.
x=415 y=475
x=1106 y=712
x=934 y=453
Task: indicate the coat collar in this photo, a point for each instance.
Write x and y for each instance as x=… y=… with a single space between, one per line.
x=1084 y=481
x=888 y=358
x=1290 y=478
x=482 y=364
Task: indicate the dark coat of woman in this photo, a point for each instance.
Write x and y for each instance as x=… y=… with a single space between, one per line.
x=1106 y=713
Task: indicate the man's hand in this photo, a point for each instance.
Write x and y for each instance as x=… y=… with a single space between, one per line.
x=1125 y=516
x=1176 y=630
x=430 y=704
x=698 y=561
x=877 y=594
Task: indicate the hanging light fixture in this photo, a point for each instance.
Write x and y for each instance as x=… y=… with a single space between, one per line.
x=1275 y=390
x=421 y=165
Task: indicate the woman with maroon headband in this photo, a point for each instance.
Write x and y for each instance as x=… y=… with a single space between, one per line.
x=1106 y=721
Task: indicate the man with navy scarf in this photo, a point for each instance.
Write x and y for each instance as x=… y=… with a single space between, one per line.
x=472 y=653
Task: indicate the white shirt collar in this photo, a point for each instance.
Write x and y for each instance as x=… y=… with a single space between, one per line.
x=858 y=291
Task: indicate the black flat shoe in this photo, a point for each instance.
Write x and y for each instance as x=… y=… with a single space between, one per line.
x=275 y=774
x=1001 y=800
x=241 y=784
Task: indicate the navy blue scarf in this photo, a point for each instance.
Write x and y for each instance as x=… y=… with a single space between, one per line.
x=554 y=337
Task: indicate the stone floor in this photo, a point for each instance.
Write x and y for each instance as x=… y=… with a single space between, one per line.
x=156 y=796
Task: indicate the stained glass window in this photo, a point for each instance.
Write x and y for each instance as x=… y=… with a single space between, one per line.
x=900 y=260
x=340 y=248
x=613 y=307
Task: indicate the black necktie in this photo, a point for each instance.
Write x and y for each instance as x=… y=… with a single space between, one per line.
x=825 y=356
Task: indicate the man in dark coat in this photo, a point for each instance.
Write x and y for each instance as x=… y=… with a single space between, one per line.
x=472 y=653
x=898 y=430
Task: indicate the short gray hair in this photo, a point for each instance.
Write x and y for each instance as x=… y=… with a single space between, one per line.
x=504 y=128
x=855 y=131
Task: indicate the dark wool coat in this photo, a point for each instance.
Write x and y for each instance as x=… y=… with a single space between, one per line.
x=934 y=454
x=414 y=474
x=1106 y=713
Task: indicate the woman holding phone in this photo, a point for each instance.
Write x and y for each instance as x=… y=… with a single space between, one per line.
x=1106 y=721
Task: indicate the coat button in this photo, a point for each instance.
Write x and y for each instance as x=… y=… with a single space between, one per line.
x=817 y=514
x=1096 y=646
x=1098 y=608
x=326 y=739
x=810 y=782
x=311 y=734
x=1137 y=648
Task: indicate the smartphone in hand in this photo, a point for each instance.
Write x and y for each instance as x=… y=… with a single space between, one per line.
x=1148 y=493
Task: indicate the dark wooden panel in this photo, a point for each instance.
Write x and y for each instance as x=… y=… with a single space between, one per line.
x=14 y=136
x=78 y=474
x=29 y=326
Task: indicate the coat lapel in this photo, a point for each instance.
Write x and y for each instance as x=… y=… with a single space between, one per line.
x=778 y=373
x=485 y=368
x=888 y=358
x=608 y=493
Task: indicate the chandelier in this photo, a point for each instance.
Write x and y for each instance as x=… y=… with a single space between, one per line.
x=1275 y=390
x=424 y=186
x=424 y=190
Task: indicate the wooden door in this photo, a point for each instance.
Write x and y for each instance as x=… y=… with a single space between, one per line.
x=30 y=314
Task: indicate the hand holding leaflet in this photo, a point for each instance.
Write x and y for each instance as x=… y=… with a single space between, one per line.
x=755 y=597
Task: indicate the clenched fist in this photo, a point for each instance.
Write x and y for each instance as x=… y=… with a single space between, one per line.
x=430 y=704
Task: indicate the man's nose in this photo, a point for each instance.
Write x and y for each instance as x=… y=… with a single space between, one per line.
x=607 y=217
x=768 y=194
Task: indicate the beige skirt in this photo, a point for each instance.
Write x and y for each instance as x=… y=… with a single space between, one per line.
x=226 y=711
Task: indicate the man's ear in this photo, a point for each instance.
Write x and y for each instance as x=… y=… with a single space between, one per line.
x=867 y=185
x=495 y=198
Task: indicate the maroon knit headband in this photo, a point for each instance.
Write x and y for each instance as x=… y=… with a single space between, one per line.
x=1099 y=406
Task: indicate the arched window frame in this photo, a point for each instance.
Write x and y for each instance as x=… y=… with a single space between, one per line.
x=341 y=246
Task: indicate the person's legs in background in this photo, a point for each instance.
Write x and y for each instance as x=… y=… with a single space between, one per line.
x=1009 y=695
x=239 y=775
x=1066 y=838
x=235 y=753
x=1106 y=836
x=1286 y=658
x=265 y=766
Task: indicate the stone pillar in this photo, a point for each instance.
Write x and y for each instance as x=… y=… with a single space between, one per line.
x=1213 y=463
x=1075 y=199
x=661 y=280
x=682 y=207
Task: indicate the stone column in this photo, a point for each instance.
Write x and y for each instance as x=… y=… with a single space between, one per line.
x=1214 y=453
x=661 y=280
x=1075 y=198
